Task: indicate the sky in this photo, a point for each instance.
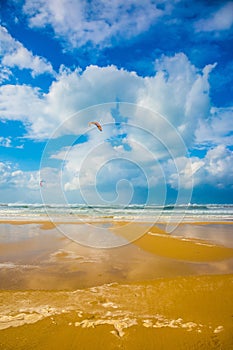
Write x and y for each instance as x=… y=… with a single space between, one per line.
x=157 y=75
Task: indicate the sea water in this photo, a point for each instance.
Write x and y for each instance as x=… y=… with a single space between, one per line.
x=140 y=213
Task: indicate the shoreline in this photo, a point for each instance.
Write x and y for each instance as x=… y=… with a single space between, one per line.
x=47 y=224
x=160 y=290
x=47 y=220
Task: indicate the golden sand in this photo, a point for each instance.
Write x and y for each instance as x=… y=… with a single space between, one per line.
x=159 y=291
x=178 y=313
x=156 y=241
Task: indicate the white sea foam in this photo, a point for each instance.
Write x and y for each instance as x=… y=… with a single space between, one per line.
x=149 y=213
x=101 y=303
x=71 y=255
x=11 y=265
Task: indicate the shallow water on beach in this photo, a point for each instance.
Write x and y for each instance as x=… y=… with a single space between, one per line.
x=157 y=291
x=36 y=256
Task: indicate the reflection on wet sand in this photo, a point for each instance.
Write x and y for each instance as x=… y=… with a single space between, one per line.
x=160 y=290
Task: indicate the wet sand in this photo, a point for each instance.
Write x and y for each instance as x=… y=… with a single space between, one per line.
x=158 y=291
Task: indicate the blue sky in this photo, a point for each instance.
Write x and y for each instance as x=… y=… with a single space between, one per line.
x=157 y=74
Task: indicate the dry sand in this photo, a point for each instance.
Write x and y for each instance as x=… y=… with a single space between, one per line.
x=159 y=291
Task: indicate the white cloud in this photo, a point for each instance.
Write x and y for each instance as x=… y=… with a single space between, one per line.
x=217 y=129
x=214 y=169
x=219 y=169
x=5 y=73
x=13 y=177
x=182 y=171
x=5 y=169
x=76 y=90
x=14 y=54
x=96 y=22
x=70 y=93
x=178 y=91
x=19 y=102
x=222 y=19
x=99 y=173
x=5 y=142
x=17 y=185
x=197 y=105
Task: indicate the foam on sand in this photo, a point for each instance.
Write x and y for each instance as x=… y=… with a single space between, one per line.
x=198 y=306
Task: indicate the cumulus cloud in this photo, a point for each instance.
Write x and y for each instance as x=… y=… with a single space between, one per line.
x=19 y=185
x=14 y=54
x=99 y=22
x=220 y=20
x=12 y=176
x=179 y=91
x=149 y=123
x=24 y=186
x=214 y=169
x=219 y=170
x=18 y=102
x=5 y=169
x=70 y=93
x=184 y=175
x=217 y=129
x=99 y=172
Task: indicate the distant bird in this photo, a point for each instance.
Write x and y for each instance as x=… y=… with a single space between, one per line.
x=96 y=124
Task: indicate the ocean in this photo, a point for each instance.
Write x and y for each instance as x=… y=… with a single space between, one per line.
x=148 y=213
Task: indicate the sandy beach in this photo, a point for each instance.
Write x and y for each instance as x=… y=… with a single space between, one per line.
x=157 y=291
x=116 y=175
